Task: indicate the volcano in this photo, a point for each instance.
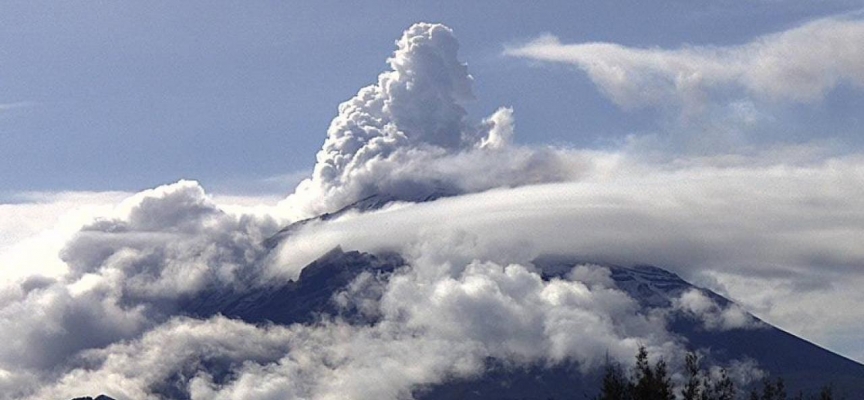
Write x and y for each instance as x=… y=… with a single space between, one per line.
x=805 y=366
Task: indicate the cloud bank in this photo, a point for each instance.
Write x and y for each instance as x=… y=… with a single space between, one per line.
x=446 y=329
x=755 y=218
x=111 y=324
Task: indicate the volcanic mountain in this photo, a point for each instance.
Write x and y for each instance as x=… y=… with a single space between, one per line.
x=770 y=351
x=179 y=298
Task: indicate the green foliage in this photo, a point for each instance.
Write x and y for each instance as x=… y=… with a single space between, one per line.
x=653 y=382
x=775 y=390
x=615 y=384
x=647 y=382
x=692 y=389
x=723 y=388
x=827 y=393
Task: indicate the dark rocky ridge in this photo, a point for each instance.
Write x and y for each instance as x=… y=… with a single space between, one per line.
x=99 y=397
x=368 y=203
x=300 y=301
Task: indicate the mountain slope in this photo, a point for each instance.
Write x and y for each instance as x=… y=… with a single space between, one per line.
x=804 y=365
x=300 y=301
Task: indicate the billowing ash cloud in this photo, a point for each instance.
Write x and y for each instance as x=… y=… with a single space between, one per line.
x=408 y=135
x=111 y=318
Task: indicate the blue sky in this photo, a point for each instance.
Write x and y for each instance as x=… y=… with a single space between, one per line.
x=126 y=96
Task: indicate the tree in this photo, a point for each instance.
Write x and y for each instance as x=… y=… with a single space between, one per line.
x=647 y=382
x=773 y=390
x=700 y=386
x=651 y=383
x=692 y=388
x=768 y=390
x=724 y=388
x=615 y=384
x=754 y=395
x=780 y=389
x=827 y=393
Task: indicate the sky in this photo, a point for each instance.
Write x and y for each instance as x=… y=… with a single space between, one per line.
x=116 y=96
x=149 y=150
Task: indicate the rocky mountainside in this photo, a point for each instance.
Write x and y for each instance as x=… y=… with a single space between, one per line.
x=315 y=296
x=300 y=301
x=368 y=203
x=804 y=365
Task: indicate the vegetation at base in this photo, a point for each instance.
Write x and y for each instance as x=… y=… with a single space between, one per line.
x=653 y=382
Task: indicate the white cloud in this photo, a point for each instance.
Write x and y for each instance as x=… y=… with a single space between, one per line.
x=798 y=65
x=742 y=372
x=433 y=327
x=107 y=325
x=132 y=369
x=470 y=293
x=37 y=225
x=121 y=273
x=786 y=228
x=402 y=136
x=15 y=105
x=710 y=99
x=105 y=320
x=759 y=219
x=814 y=304
x=500 y=130
x=714 y=316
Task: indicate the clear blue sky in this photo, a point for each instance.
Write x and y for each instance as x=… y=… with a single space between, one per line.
x=128 y=95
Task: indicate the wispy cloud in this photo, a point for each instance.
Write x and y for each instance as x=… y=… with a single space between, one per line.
x=19 y=104
x=797 y=65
